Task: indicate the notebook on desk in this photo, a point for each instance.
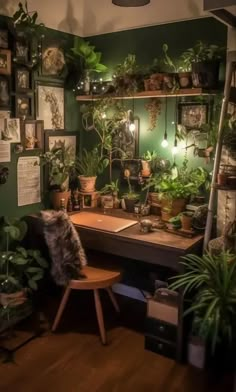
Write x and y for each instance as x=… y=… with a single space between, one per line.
x=101 y=222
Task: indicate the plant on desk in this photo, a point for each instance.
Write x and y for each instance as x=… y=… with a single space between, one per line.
x=131 y=197
x=112 y=190
x=20 y=270
x=211 y=281
x=60 y=163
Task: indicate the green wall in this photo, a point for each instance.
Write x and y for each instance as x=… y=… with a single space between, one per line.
x=8 y=191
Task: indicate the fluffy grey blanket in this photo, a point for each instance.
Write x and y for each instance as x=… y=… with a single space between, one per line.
x=65 y=248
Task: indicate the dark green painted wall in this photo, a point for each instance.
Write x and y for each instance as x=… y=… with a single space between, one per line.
x=8 y=192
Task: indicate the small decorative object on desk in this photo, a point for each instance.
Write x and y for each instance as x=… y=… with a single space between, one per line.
x=69 y=205
x=76 y=205
x=145 y=225
x=62 y=205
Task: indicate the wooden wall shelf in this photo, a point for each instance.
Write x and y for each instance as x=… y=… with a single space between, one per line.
x=150 y=94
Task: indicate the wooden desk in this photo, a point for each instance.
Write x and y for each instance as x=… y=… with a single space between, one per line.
x=158 y=247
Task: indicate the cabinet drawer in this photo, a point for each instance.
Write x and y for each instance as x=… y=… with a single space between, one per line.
x=160 y=347
x=161 y=329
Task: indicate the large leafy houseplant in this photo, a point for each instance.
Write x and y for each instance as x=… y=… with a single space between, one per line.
x=84 y=53
x=211 y=281
x=91 y=164
x=20 y=270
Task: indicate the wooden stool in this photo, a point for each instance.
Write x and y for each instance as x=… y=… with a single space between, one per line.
x=96 y=279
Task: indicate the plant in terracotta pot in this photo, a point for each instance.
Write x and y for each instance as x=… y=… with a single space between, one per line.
x=20 y=270
x=126 y=75
x=89 y=60
x=186 y=218
x=181 y=71
x=89 y=165
x=130 y=198
x=204 y=60
x=60 y=163
x=112 y=190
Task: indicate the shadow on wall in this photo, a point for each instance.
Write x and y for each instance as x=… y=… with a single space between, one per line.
x=8 y=7
x=89 y=18
x=70 y=24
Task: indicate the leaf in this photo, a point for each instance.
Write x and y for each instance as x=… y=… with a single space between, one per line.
x=13 y=232
x=32 y=284
x=19 y=260
x=34 y=269
x=22 y=251
x=42 y=262
x=37 y=277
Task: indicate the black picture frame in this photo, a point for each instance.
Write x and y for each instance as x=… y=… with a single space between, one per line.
x=5 y=92
x=134 y=167
x=22 y=50
x=193 y=114
x=53 y=115
x=4 y=39
x=53 y=62
x=124 y=140
x=23 y=79
x=24 y=106
x=32 y=133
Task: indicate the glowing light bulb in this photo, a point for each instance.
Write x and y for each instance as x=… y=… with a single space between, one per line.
x=175 y=150
x=164 y=143
x=104 y=115
x=132 y=127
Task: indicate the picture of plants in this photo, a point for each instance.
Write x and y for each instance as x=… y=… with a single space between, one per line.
x=50 y=106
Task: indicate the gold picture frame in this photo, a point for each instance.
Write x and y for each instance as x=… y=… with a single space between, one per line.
x=5 y=62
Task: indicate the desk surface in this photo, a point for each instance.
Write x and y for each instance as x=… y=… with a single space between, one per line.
x=157 y=247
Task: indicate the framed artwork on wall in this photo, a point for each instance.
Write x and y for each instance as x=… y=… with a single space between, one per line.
x=126 y=142
x=57 y=139
x=23 y=79
x=4 y=114
x=32 y=134
x=12 y=132
x=5 y=62
x=22 y=50
x=193 y=114
x=3 y=38
x=52 y=60
x=24 y=106
x=5 y=93
x=50 y=104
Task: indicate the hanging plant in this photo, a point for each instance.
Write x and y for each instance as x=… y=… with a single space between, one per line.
x=154 y=110
x=25 y=20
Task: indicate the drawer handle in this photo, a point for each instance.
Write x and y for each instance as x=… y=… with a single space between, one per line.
x=160 y=346
x=161 y=328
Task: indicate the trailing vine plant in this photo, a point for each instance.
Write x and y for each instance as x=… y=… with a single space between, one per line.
x=154 y=110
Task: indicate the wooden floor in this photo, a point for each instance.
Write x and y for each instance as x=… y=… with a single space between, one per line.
x=73 y=359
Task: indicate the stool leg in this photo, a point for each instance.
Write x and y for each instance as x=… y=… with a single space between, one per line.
x=98 y=307
x=61 y=308
x=113 y=299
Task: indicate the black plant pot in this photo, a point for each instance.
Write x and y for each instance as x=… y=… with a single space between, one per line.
x=129 y=204
x=205 y=74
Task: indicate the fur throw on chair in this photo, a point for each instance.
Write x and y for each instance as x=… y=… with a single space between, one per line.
x=65 y=248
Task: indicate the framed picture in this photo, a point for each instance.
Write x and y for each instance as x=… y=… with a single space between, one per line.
x=22 y=50
x=24 y=106
x=23 y=80
x=4 y=114
x=32 y=134
x=5 y=95
x=5 y=62
x=125 y=143
x=3 y=39
x=53 y=59
x=50 y=105
x=193 y=114
x=57 y=139
x=12 y=132
x=134 y=167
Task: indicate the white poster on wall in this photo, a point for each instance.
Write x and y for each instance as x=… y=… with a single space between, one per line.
x=28 y=181
x=5 y=151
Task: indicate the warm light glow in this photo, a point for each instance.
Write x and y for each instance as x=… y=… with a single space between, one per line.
x=164 y=143
x=132 y=127
x=104 y=115
x=175 y=150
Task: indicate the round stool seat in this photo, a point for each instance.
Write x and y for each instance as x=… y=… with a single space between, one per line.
x=96 y=278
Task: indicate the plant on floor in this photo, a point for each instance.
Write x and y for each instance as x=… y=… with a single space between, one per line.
x=211 y=279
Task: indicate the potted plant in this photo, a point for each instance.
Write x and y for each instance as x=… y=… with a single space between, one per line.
x=90 y=61
x=204 y=61
x=89 y=165
x=112 y=190
x=211 y=281
x=131 y=197
x=186 y=218
x=24 y=21
x=20 y=270
x=60 y=163
x=126 y=75
x=182 y=71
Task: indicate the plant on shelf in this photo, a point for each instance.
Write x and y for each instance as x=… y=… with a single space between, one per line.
x=126 y=75
x=211 y=281
x=60 y=163
x=177 y=67
x=20 y=271
x=89 y=165
x=153 y=108
x=25 y=20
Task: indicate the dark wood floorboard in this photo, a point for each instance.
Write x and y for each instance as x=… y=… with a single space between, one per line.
x=73 y=359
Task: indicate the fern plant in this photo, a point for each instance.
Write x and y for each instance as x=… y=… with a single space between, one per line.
x=211 y=279
x=91 y=164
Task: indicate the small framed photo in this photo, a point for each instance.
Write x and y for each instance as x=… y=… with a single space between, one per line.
x=53 y=59
x=22 y=50
x=4 y=39
x=5 y=62
x=24 y=106
x=12 y=132
x=23 y=80
x=193 y=114
x=50 y=104
x=32 y=134
x=5 y=94
x=4 y=114
x=57 y=139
